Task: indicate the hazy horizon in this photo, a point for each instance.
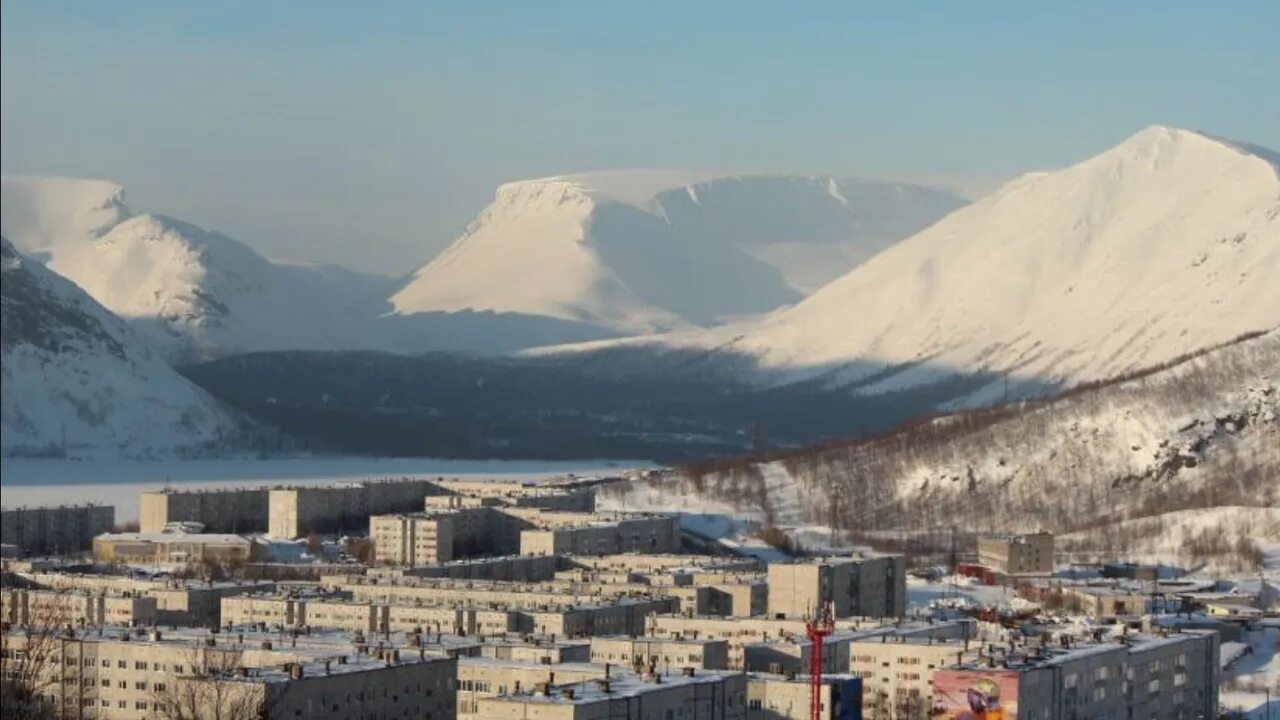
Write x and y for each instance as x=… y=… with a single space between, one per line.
x=370 y=137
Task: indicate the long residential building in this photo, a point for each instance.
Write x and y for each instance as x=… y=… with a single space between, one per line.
x=690 y=694
x=221 y=510
x=80 y=608
x=299 y=511
x=1134 y=677
x=178 y=602
x=61 y=529
x=135 y=675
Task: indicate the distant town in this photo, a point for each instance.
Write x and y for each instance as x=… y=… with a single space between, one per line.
x=471 y=598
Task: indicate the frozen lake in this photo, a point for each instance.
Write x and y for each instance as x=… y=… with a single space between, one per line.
x=119 y=482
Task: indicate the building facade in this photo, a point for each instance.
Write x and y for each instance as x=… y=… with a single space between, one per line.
x=63 y=529
x=867 y=586
x=1030 y=554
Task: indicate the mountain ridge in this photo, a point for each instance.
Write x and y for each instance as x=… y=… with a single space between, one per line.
x=1146 y=251
x=79 y=381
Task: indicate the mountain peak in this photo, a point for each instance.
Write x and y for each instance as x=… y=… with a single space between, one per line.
x=1158 y=141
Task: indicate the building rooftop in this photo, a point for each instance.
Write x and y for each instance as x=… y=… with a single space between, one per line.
x=168 y=536
x=618 y=686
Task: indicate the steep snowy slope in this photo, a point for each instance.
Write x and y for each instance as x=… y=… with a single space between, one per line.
x=1167 y=243
x=639 y=251
x=194 y=293
x=1201 y=433
x=1164 y=244
x=74 y=372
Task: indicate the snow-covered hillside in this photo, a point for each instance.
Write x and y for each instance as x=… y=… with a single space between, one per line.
x=75 y=373
x=643 y=251
x=193 y=293
x=1202 y=433
x=1164 y=244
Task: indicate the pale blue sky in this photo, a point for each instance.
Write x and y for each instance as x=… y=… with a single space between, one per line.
x=370 y=133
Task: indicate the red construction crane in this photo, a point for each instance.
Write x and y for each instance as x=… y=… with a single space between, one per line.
x=817 y=628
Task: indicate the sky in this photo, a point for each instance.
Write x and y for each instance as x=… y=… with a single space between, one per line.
x=370 y=134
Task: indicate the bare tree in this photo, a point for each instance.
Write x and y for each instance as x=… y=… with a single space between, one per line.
x=210 y=688
x=32 y=648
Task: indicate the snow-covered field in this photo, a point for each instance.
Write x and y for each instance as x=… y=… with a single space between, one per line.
x=119 y=482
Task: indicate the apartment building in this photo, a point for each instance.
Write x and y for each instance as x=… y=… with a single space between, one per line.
x=178 y=602
x=690 y=695
x=439 y=536
x=601 y=534
x=1133 y=677
x=641 y=653
x=486 y=677
x=665 y=563
x=269 y=610
x=1030 y=554
x=78 y=608
x=509 y=568
x=299 y=511
x=173 y=548
x=573 y=496
x=867 y=586
x=1106 y=603
x=774 y=697
x=626 y=616
x=897 y=671
x=61 y=529
x=791 y=655
x=535 y=649
x=128 y=675
x=741 y=632
x=225 y=510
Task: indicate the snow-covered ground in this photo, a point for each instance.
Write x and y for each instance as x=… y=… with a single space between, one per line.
x=1246 y=683
x=1166 y=538
x=119 y=482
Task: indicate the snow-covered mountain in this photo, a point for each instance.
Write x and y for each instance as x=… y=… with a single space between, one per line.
x=74 y=373
x=193 y=293
x=644 y=251
x=1164 y=244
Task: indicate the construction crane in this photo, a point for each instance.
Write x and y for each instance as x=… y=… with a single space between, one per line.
x=817 y=628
